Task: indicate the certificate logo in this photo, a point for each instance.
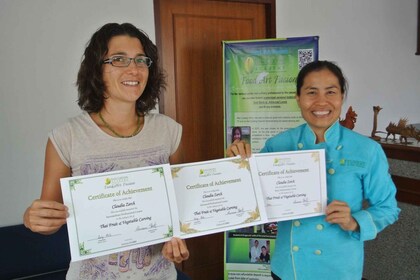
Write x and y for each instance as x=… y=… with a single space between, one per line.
x=208 y=172
x=282 y=161
x=116 y=182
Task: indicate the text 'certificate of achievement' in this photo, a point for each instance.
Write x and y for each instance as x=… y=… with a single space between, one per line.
x=293 y=183
x=118 y=211
x=218 y=195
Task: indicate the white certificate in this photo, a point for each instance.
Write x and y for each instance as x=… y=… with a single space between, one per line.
x=293 y=183
x=117 y=211
x=218 y=195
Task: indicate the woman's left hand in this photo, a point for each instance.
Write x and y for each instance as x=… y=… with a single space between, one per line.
x=175 y=250
x=338 y=212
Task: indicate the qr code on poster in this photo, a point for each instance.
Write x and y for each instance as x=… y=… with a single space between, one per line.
x=305 y=56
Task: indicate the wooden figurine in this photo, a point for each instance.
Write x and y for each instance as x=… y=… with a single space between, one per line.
x=403 y=130
x=350 y=119
x=373 y=135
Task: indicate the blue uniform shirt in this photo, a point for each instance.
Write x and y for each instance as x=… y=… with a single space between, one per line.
x=357 y=170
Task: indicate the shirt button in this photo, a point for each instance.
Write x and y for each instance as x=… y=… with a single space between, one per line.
x=331 y=171
x=295 y=248
x=318 y=252
x=300 y=145
x=296 y=223
x=339 y=147
x=319 y=227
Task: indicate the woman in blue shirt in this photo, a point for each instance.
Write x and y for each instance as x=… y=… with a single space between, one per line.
x=331 y=246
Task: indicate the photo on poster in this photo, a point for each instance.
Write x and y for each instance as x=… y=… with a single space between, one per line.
x=244 y=245
x=259 y=250
x=248 y=252
x=238 y=133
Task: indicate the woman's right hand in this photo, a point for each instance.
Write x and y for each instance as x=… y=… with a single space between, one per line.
x=239 y=148
x=45 y=216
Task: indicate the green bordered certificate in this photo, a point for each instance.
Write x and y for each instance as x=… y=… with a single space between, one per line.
x=117 y=211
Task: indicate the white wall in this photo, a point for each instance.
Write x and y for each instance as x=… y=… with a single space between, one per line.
x=374 y=43
x=41 y=44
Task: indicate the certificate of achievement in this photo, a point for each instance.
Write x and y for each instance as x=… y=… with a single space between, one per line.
x=218 y=195
x=117 y=211
x=293 y=183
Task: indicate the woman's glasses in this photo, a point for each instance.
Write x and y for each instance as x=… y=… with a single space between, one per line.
x=124 y=61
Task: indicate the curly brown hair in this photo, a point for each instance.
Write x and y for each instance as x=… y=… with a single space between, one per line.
x=91 y=86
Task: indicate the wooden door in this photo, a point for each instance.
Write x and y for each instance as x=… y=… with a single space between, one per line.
x=189 y=35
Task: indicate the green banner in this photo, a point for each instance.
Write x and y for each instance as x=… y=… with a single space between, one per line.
x=259 y=99
x=260 y=86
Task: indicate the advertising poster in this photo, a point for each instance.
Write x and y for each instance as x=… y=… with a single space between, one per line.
x=260 y=86
x=259 y=99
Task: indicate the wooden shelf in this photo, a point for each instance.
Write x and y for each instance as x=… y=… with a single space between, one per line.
x=408 y=189
x=408 y=152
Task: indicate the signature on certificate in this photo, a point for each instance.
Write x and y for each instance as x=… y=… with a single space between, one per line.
x=104 y=237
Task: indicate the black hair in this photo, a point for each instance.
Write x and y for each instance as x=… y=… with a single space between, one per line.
x=235 y=128
x=318 y=66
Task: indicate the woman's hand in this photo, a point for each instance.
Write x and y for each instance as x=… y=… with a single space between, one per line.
x=175 y=250
x=239 y=147
x=45 y=217
x=338 y=212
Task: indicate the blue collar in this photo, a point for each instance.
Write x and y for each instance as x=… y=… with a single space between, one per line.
x=331 y=135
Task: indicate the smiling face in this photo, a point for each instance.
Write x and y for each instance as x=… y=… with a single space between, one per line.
x=320 y=101
x=237 y=134
x=124 y=84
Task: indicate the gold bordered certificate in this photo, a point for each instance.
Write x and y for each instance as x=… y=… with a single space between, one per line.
x=218 y=195
x=293 y=183
x=116 y=211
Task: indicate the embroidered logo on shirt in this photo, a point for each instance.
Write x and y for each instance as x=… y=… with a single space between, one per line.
x=353 y=163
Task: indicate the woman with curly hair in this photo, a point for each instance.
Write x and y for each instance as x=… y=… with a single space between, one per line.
x=119 y=83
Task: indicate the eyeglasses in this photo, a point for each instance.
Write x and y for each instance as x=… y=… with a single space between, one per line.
x=123 y=61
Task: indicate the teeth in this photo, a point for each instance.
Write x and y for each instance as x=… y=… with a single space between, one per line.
x=321 y=113
x=130 y=83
